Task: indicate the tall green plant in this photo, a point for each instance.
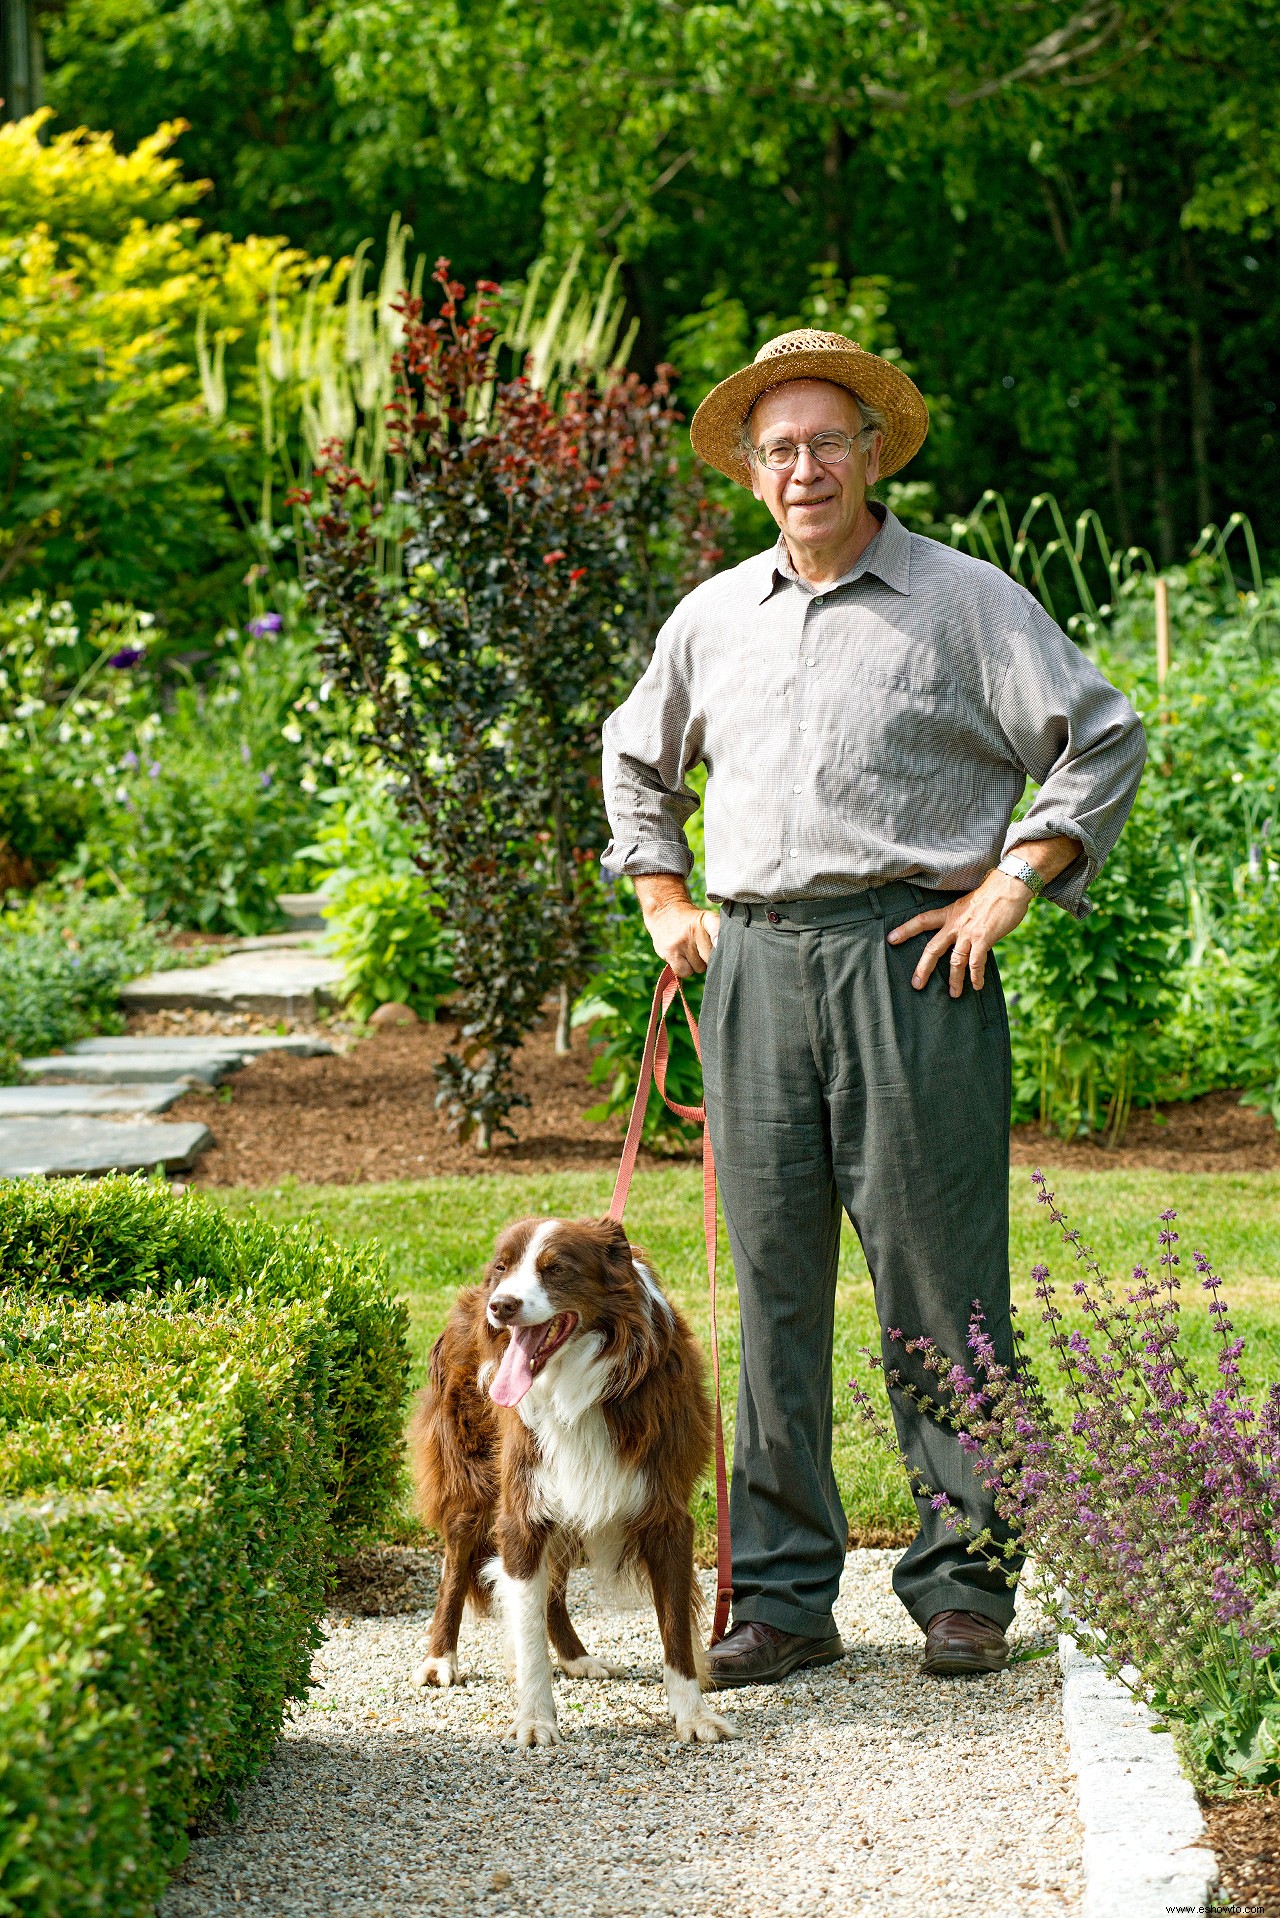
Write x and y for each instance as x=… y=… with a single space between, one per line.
x=534 y=569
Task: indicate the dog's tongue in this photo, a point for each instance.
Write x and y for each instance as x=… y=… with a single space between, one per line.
x=515 y=1374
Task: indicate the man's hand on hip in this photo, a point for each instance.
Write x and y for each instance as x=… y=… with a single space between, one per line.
x=972 y=924
x=683 y=934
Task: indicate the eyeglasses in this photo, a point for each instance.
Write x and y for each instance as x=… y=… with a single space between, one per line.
x=828 y=449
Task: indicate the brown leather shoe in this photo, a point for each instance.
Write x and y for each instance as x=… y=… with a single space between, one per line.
x=759 y=1654
x=957 y=1644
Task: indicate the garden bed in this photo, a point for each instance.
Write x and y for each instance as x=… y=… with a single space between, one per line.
x=1245 y=1834
x=368 y=1115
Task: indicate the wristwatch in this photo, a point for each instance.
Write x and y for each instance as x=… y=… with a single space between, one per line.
x=1017 y=868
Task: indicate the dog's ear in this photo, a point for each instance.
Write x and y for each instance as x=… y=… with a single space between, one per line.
x=615 y=1246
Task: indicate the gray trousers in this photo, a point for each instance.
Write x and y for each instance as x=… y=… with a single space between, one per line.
x=831 y=1082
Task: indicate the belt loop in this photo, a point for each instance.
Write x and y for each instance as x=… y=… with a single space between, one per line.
x=727 y=907
x=746 y=915
x=915 y=892
x=875 y=902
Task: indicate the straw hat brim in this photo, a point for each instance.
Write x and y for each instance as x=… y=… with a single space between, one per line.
x=716 y=427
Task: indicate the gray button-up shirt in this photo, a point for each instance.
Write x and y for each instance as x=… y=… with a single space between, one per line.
x=880 y=728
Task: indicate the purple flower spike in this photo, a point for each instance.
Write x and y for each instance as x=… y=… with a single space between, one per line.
x=129 y=759
x=126 y=657
x=266 y=781
x=153 y=770
x=265 y=623
x=245 y=754
x=1152 y=1491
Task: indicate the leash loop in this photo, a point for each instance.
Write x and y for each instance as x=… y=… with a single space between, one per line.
x=653 y=1070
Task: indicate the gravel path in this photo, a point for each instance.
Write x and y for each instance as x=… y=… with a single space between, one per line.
x=861 y=1787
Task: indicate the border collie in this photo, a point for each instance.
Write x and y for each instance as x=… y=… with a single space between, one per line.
x=566 y=1416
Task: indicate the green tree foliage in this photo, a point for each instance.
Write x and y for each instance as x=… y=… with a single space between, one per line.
x=114 y=477
x=1073 y=207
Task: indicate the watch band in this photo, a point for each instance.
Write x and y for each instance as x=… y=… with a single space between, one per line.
x=1018 y=868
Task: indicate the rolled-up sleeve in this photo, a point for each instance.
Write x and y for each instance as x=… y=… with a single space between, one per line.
x=1079 y=739
x=649 y=744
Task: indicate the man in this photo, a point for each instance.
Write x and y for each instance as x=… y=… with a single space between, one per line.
x=868 y=705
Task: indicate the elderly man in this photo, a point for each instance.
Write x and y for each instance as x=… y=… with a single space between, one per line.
x=868 y=705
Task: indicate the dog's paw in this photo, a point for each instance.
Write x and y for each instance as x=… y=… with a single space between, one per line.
x=589 y=1667
x=702 y=1726
x=438 y=1671
x=536 y=1731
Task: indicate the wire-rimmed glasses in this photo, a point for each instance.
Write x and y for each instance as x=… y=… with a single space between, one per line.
x=826 y=449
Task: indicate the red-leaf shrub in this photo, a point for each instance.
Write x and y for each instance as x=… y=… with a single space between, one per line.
x=540 y=544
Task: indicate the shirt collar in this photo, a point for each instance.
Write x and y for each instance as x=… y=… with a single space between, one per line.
x=888 y=556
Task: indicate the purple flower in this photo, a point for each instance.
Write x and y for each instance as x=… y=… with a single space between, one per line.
x=129 y=760
x=265 y=623
x=245 y=754
x=266 y=780
x=153 y=770
x=126 y=657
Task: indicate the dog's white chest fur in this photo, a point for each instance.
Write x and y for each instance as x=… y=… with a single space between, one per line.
x=580 y=1480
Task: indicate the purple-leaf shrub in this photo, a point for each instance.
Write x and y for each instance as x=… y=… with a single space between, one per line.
x=1151 y=1509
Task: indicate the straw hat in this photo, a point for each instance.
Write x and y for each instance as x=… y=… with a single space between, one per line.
x=809 y=355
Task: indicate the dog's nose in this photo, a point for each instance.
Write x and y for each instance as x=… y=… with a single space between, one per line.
x=503 y=1311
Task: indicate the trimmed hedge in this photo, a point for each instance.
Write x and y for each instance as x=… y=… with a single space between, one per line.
x=193 y=1411
x=123 y=1236
x=163 y=1543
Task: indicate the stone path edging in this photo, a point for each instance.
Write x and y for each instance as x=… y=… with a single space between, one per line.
x=1145 y=1848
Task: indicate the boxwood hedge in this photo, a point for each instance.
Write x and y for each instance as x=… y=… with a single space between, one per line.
x=121 y=1237
x=184 y=1404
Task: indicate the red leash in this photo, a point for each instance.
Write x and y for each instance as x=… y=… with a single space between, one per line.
x=653 y=1066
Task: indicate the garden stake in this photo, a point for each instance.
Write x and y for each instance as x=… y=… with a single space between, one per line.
x=1162 y=631
x=653 y=1065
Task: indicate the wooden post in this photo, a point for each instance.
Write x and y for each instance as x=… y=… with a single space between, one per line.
x=1162 y=631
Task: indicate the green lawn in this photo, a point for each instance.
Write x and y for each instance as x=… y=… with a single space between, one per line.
x=437 y=1234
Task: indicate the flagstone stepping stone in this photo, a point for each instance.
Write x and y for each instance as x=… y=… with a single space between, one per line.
x=47 y=1102
x=90 y=1147
x=300 y=1045
x=286 y=983
x=208 y=1068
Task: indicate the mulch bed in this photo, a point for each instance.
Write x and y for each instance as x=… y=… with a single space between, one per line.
x=368 y=1114
x=1212 y=1134
x=1245 y=1833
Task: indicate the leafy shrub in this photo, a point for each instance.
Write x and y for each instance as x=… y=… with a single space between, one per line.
x=1153 y=1512
x=1090 y=1000
x=117 y=471
x=615 y=1006
x=535 y=537
x=163 y=1470
x=63 y=959
x=119 y=1238
x=65 y=708
x=204 y=813
x=383 y=918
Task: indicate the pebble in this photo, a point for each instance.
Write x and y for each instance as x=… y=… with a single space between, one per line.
x=862 y=1787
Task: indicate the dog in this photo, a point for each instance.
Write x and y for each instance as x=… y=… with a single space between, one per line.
x=566 y=1417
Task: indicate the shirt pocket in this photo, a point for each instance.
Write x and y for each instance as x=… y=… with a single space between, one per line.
x=897 y=724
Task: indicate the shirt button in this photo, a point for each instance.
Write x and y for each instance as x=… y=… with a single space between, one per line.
x=796 y=789
x=795 y=852
x=810 y=662
x=804 y=725
x=817 y=602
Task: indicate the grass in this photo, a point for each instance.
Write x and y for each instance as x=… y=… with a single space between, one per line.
x=437 y=1235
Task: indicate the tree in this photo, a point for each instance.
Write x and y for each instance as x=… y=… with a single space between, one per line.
x=540 y=546
x=1072 y=204
x=113 y=476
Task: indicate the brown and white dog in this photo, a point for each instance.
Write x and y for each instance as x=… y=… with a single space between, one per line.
x=566 y=1417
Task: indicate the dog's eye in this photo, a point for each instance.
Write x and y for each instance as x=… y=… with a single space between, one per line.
x=499 y=1265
